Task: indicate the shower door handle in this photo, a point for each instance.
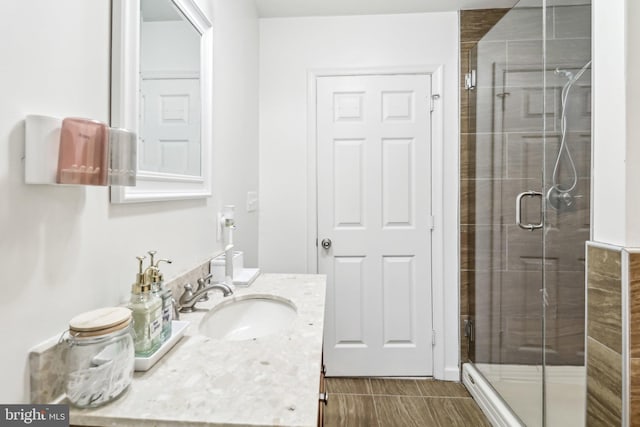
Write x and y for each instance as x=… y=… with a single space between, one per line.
x=521 y=196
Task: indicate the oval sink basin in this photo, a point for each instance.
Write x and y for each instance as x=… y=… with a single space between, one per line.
x=248 y=317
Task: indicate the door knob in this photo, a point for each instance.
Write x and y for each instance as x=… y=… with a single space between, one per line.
x=326 y=243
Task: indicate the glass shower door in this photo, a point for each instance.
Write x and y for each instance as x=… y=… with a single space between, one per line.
x=507 y=138
x=567 y=183
x=526 y=208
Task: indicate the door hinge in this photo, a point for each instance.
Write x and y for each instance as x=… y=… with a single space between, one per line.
x=433 y=338
x=431 y=222
x=433 y=100
x=316 y=242
x=470 y=80
x=470 y=330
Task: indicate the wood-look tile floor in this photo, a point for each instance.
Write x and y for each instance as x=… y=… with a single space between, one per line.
x=373 y=402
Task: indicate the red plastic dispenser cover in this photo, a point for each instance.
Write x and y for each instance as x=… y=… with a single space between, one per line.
x=84 y=152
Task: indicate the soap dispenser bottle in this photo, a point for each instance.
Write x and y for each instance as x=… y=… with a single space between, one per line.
x=156 y=278
x=146 y=308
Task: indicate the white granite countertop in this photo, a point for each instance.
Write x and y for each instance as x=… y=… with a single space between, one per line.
x=269 y=381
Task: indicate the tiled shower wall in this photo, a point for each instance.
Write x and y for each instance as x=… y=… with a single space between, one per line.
x=634 y=338
x=604 y=336
x=503 y=154
x=613 y=299
x=474 y=24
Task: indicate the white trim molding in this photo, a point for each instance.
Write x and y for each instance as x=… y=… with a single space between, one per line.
x=125 y=103
x=445 y=325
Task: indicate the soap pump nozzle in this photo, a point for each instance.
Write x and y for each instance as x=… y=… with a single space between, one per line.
x=153 y=273
x=140 y=284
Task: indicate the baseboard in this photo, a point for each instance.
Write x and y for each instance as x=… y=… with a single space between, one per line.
x=451 y=374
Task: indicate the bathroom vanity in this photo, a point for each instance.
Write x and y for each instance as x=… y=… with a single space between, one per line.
x=272 y=379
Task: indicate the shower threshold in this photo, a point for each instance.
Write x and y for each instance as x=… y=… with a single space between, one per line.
x=511 y=395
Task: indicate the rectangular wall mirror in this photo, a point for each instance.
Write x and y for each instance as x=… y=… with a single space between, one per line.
x=161 y=89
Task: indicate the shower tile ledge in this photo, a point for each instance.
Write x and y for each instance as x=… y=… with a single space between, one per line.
x=206 y=382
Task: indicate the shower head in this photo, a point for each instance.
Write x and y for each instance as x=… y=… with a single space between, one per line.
x=568 y=74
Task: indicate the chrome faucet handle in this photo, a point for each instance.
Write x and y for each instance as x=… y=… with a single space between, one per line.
x=205 y=279
x=202 y=283
x=185 y=302
x=187 y=294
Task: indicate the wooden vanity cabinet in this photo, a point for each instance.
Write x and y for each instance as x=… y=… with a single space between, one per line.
x=322 y=396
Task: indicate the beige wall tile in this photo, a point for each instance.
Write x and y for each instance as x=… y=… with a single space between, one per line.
x=474 y=24
x=603 y=261
x=634 y=410
x=604 y=310
x=604 y=385
x=634 y=308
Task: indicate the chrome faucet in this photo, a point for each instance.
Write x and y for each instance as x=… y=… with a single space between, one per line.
x=202 y=283
x=188 y=299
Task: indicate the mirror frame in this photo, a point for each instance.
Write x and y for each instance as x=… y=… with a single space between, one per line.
x=125 y=103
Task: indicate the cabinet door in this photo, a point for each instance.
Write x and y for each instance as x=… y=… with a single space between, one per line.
x=322 y=401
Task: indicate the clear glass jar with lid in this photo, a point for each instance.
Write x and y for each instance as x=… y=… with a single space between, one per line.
x=100 y=356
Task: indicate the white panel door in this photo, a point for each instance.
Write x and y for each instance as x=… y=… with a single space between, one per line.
x=374 y=205
x=170 y=126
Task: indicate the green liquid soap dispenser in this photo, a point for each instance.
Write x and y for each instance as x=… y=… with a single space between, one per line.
x=156 y=278
x=146 y=309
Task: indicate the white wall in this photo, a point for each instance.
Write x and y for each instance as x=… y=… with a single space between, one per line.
x=67 y=250
x=616 y=128
x=289 y=48
x=609 y=121
x=633 y=125
x=235 y=116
